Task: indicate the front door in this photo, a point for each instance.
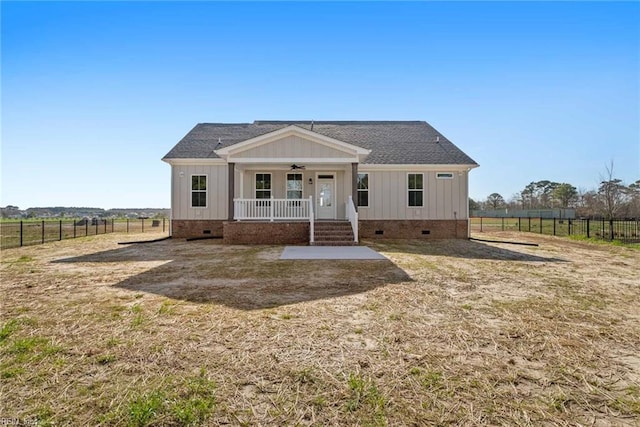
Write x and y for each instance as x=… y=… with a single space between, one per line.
x=325 y=196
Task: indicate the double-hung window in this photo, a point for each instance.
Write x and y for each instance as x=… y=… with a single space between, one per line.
x=263 y=186
x=294 y=186
x=415 y=187
x=363 y=190
x=198 y=191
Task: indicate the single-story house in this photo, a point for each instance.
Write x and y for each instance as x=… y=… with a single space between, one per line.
x=322 y=182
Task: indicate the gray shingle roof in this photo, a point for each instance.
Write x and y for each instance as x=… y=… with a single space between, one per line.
x=390 y=142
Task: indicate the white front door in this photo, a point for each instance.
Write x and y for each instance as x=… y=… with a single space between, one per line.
x=325 y=197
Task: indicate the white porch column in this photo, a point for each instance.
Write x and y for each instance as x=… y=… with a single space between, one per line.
x=354 y=184
x=231 y=190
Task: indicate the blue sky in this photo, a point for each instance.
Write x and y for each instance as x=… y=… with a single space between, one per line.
x=94 y=94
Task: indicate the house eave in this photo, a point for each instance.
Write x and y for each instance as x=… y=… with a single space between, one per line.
x=194 y=161
x=423 y=166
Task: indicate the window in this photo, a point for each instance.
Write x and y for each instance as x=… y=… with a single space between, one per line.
x=363 y=189
x=294 y=186
x=263 y=186
x=444 y=175
x=415 y=187
x=198 y=191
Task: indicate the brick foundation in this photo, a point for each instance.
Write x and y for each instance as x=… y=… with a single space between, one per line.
x=266 y=233
x=297 y=233
x=413 y=229
x=187 y=228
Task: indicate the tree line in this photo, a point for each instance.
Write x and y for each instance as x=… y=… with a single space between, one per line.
x=612 y=199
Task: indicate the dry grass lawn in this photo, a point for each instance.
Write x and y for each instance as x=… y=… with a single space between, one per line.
x=443 y=333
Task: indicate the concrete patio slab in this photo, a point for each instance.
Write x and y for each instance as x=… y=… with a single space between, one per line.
x=330 y=252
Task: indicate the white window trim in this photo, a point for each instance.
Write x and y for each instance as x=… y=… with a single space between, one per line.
x=255 y=182
x=206 y=192
x=367 y=190
x=415 y=190
x=286 y=190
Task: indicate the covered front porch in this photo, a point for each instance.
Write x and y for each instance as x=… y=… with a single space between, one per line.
x=269 y=192
x=293 y=175
x=291 y=191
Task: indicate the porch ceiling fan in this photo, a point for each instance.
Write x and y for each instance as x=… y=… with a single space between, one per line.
x=296 y=167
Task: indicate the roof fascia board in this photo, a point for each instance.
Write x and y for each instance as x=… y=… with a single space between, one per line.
x=410 y=167
x=194 y=161
x=288 y=131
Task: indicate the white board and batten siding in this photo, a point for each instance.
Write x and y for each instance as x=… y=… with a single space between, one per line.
x=217 y=187
x=388 y=195
x=388 y=192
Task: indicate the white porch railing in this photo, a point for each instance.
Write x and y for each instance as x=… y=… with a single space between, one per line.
x=352 y=216
x=272 y=209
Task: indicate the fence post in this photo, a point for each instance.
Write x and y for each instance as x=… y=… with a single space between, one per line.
x=86 y=228
x=481 y=224
x=74 y=228
x=519 y=224
x=42 y=231
x=569 y=227
x=529 y=224
x=554 y=225
x=112 y=222
x=611 y=230
x=541 y=225
x=143 y=225
x=105 y=226
x=97 y=221
x=163 y=224
x=60 y=229
x=588 y=230
x=127 y=225
x=21 y=233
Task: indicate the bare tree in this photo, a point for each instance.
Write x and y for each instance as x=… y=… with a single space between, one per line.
x=611 y=193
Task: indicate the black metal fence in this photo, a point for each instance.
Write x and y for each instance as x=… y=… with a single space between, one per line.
x=624 y=230
x=25 y=233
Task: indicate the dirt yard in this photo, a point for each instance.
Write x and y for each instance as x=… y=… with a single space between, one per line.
x=442 y=333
